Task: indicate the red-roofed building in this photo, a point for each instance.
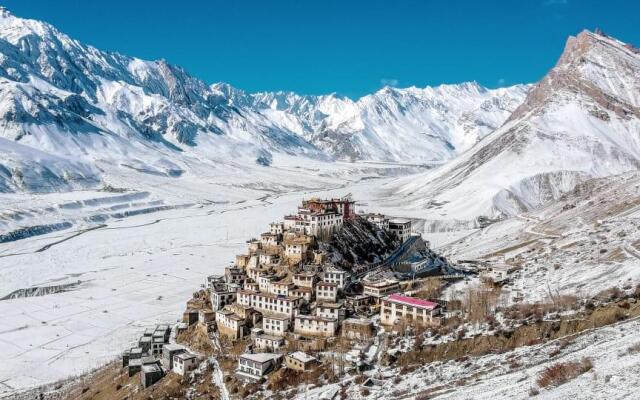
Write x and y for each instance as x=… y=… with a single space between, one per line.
x=398 y=309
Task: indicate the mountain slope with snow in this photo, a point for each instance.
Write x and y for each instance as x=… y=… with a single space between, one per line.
x=582 y=120
x=99 y=111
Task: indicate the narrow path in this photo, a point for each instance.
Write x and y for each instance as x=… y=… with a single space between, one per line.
x=48 y=246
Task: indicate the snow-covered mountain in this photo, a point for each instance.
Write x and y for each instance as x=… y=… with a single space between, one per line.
x=582 y=120
x=433 y=124
x=70 y=113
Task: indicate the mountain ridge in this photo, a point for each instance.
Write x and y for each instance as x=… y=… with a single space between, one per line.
x=578 y=122
x=76 y=102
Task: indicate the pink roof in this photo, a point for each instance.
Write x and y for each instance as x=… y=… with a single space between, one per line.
x=413 y=301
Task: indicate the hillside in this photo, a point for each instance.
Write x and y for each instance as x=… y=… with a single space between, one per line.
x=581 y=121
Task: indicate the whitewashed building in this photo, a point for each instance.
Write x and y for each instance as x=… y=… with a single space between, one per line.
x=401 y=227
x=381 y=288
x=326 y=291
x=183 y=363
x=255 y=366
x=336 y=276
x=275 y=324
x=404 y=309
x=309 y=325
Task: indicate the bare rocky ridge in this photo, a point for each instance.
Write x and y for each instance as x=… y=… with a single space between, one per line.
x=581 y=121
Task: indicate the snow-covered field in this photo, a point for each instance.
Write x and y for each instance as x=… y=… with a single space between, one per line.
x=131 y=271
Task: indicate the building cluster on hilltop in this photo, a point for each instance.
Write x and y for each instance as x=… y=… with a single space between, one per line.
x=284 y=295
x=285 y=299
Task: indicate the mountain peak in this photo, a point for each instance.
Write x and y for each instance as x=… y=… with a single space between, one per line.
x=4 y=12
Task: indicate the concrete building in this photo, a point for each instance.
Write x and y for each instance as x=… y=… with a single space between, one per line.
x=300 y=361
x=134 y=363
x=308 y=325
x=268 y=257
x=269 y=239
x=358 y=328
x=379 y=220
x=168 y=352
x=205 y=316
x=242 y=260
x=145 y=344
x=150 y=374
x=397 y=309
x=320 y=224
x=326 y=291
x=344 y=206
x=497 y=273
x=381 y=288
x=251 y=286
x=401 y=227
x=254 y=367
x=296 y=247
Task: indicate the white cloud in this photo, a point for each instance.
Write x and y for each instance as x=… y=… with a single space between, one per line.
x=502 y=82
x=389 y=82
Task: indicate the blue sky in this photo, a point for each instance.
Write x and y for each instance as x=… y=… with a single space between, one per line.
x=349 y=47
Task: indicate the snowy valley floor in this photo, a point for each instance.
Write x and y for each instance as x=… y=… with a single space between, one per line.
x=129 y=259
x=133 y=268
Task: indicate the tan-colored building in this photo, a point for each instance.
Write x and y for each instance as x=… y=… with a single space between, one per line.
x=304 y=293
x=358 y=328
x=269 y=239
x=305 y=279
x=250 y=285
x=230 y=325
x=267 y=342
x=242 y=260
x=398 y=309
x=296 y=247
x=300 y=361
x=254 y=246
